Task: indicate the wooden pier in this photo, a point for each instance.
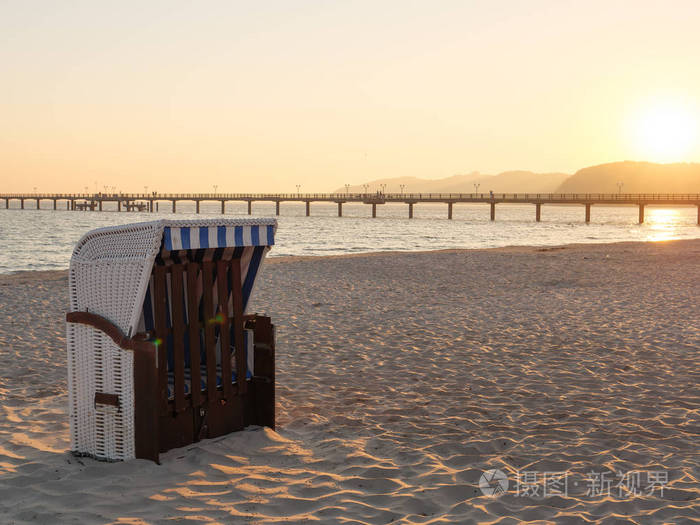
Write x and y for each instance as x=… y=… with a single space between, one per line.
x=149 y=202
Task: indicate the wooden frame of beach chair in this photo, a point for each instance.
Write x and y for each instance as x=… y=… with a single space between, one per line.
x=136 y=396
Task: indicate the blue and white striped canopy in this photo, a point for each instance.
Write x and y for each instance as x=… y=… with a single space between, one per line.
x=218 y=236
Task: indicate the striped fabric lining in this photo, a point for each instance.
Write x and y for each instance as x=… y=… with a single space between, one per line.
x=203 y=379
x=203 y=369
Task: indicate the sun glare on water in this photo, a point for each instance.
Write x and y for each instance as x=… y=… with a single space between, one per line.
x=665 y=132
x=662 y=223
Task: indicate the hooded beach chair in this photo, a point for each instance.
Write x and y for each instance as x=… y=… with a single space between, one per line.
x=160 y=351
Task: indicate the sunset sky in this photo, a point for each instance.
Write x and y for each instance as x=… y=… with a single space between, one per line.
x=262 y=96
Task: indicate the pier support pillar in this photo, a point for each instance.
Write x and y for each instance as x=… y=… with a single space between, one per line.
x=21 y=204
x=410 y=210
x=38 y=205
x=68 y=205
x=277 y=208
x=641 y=214
x=150 y=206
x=588 y=213
x=698 y=214
x=157 y=206
x=340 y=209
x=100 y=205
x=250 y=207
x=119 y=205
x=538 y=212
x=374 y=210
x=197 y=203
x=7 y=204
x=449 y=210
x=308 y=208
x=174 y=207
x=223 y=207
x=54 y=204
x=493 y=211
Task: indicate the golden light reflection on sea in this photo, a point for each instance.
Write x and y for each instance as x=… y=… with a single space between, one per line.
x=663 y=224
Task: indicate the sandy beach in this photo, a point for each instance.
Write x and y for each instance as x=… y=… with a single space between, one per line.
x=401 y=379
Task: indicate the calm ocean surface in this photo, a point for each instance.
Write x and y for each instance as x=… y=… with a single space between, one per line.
x=44 y=239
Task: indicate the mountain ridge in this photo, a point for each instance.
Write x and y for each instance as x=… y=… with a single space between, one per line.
x=635 y=177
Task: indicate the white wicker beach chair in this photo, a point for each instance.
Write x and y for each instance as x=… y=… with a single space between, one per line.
x=160 y=351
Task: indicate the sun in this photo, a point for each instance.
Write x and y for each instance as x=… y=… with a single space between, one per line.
x=665 y=132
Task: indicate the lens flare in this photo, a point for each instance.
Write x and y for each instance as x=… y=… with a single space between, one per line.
x=217 y=319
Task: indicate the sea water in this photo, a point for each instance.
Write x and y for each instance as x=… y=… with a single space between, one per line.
x=43 y=239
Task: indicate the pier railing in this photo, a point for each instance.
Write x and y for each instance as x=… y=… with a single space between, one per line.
x=150 y=201
x=397 y=197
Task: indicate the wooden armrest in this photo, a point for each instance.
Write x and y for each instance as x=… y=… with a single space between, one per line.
x=136 y=343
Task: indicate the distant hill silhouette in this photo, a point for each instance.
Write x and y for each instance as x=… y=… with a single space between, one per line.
x=510 y=181
x=637 y=177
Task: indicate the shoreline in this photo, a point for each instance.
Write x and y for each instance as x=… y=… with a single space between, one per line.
x=54 y=275
x=500 y=249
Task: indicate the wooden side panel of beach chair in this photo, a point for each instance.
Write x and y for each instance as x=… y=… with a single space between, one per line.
x=178 y=320
x=227 y=414
x=194 y=329
x=160 y=306
x=209 y=335
x=262 y=405
x=175 y=419
x=236 y=292
x=224 y=327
